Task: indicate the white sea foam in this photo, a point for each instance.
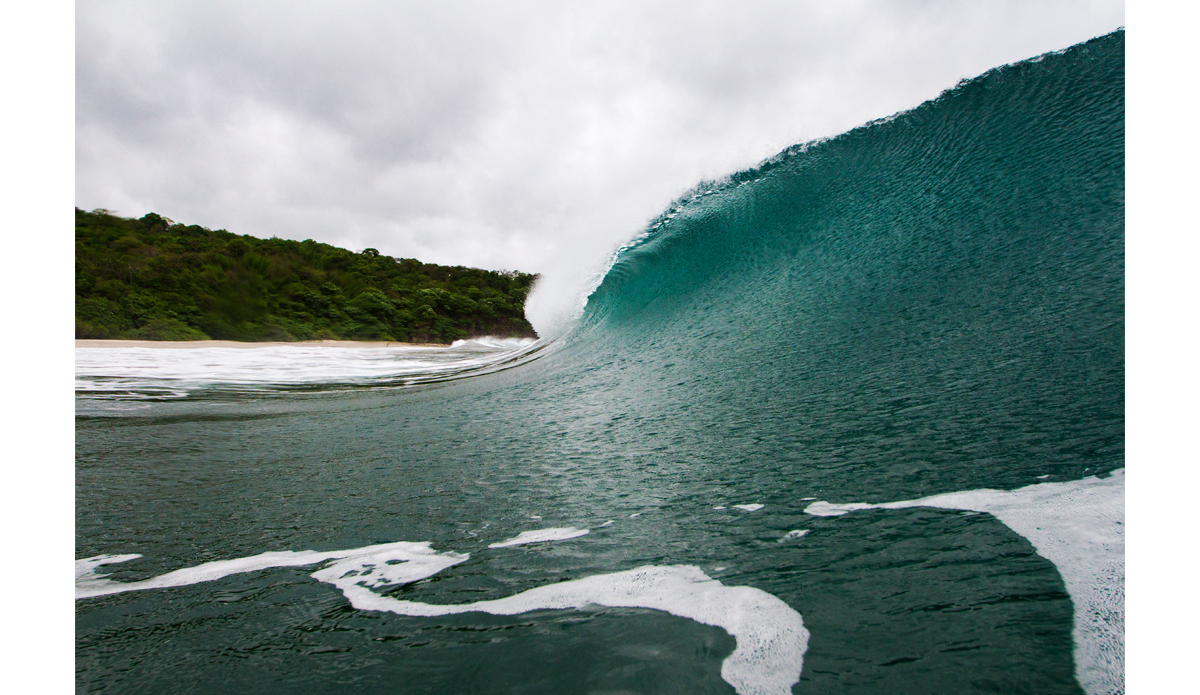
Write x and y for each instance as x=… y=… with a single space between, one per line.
x=748 y=507
x=541 y=536
x=792 y=535
x=88 y=579
x=386 y=565
x=416 y=561
x=1080 y=527
x=133 y=371
x=770 y=637
x=719 y=507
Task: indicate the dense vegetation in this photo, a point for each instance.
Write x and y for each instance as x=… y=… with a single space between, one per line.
x=153 y=279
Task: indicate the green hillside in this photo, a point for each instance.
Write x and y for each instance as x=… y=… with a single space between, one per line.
x=154 y=279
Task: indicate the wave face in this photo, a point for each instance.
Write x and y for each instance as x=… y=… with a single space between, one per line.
x=944 y=286
x=920 y=320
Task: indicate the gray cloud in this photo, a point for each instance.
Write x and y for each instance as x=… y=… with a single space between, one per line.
x=520 y=135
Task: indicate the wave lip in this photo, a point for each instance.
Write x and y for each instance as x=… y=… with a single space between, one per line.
x=1080 y=527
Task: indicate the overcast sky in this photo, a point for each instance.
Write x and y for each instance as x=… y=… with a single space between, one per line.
x=521 y=135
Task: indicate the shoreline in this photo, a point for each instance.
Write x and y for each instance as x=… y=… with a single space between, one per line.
x=186 y=344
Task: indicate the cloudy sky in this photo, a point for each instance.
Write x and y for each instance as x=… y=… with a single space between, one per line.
x=521 y=135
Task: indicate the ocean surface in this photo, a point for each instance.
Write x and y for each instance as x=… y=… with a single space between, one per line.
x=848 y=422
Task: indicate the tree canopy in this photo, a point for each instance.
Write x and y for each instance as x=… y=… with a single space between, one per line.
x=154 y=279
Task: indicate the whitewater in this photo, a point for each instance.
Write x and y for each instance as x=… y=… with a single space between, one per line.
x=849 y=421
x=137 y=373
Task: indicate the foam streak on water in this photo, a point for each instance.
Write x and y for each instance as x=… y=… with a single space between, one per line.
x=416 y=561
x=771 y=638
x=541 y=536
x=1080 y=527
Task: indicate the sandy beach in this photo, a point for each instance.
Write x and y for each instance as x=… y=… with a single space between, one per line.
x=175 y=344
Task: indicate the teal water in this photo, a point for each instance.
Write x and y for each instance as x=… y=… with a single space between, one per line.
x=928 y=304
